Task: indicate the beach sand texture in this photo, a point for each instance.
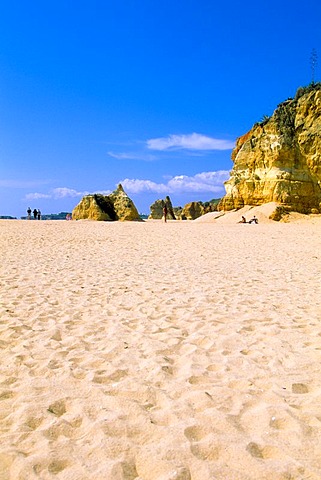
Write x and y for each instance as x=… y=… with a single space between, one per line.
x=152 y=351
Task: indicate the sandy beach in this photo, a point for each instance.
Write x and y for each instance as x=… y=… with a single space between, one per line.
x=152 y=351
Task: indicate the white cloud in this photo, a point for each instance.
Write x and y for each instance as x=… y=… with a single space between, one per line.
x=132 y=156
x=139 y=186
x=64 y=192
x=101 y=192
x=36 y=196
x=201 y=182
x=56 y=193
x=193 y=141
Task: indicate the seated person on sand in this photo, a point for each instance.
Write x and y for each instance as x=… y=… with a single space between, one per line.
x=243 y=220
x=254 y=220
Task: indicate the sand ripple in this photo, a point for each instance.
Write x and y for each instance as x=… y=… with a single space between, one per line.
x=144 y=351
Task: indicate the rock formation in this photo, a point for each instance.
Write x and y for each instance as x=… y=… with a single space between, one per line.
x=124 y=207
x=156 y=209
x=211 y=205
x=192 y=210
x=279 y=159
x=115 y=206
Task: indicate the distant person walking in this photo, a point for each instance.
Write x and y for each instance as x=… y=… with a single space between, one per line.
x=165 y=213
x=39 y=215
x=35 y=213
x=29 y=213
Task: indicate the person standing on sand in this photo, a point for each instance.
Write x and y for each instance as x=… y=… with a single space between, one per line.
x=165 y=213
x=35 y=213
x=39 y=214
x=29 y=213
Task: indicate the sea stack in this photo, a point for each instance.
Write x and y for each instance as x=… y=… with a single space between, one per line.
x=115 y=206
x=156 y=209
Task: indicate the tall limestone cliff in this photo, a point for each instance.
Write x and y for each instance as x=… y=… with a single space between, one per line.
x=115 y=206
x=279 y=159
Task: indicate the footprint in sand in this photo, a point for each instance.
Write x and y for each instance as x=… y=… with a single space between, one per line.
x=58 y=408
x=34 y=422
x=300 y=388
x=124 y=470
x=6 y=395
x=265 y=452
x=57 y=466
x=203 y=443
x=60 y=428
x=196 y=433
x=100 y=376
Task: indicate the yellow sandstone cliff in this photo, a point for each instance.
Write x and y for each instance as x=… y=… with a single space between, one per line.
x=279 y=159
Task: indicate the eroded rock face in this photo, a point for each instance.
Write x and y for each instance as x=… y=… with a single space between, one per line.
x=112 y=207
x=279 y=159
x=192 y=210
x=124 y=207
x=90 y=208
x=156 y=209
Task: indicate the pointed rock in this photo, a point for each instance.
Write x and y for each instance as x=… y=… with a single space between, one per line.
x=157 y=209
x=115 y=206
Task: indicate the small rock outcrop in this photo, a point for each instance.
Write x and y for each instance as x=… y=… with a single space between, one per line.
x=192 y=210
x=279 y=159
x=156 y=209
x=211 y=205
x=115 y=206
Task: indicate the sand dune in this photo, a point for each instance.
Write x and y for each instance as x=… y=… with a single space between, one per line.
x=152 y=351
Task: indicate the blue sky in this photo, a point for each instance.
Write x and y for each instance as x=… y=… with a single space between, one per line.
x=152 y=94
